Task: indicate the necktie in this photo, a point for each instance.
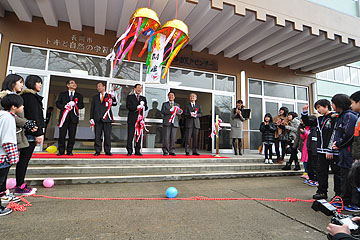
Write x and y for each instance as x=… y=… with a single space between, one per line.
x=71 y=96
x=138 y=97
x=102 y=97
x=171 y=105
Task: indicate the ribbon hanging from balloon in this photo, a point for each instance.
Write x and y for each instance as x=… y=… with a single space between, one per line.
x=143 y=21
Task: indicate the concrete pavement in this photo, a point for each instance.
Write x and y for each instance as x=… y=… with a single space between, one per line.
x=70 y=219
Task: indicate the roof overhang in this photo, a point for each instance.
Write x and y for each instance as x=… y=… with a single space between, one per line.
x=256 y=30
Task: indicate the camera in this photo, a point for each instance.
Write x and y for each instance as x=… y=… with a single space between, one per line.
x=339 y=219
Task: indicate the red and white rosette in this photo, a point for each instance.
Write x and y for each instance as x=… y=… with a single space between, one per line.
x=213 y=131
x=174 y=113
x=108 y=104
x=68 y=108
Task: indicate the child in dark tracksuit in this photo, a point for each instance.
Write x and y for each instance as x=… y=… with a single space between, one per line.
x=342 y=140
x=326 y=156
x=312 y=154
x=268 y=129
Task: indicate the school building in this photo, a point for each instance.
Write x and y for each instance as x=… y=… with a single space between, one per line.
x=265 y=52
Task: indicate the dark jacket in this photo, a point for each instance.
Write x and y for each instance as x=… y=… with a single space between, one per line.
x=165 y=111
x=268 y=132
x=325 y=128
x=131 y=105
x=98 y=108
x=356 y=143
x=63 y=99
x=343 y=136
x=312 y=142
x=192 y=122
x=33 y=110
x=344 y=129
x=343 y=236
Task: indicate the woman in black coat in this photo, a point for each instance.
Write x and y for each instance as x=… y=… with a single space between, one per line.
x=268 y=129
x=33 y=110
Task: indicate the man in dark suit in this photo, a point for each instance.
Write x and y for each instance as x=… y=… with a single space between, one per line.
x=69 y=102
x=192 y=113
x=101 y=118
x=134 y=103
x=170 y=124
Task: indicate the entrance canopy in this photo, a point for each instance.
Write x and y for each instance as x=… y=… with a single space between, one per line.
x=288 y=33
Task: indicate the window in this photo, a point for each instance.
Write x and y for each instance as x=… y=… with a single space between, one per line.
x=255 y=87
x=28 y=57
x=127 y=70
x=223 y=107
x=279 y=90
x=225 y=83
x=302 y=93
x=256 y=113
x=73 y=63
x=190 y=78
x=354 y=75
x=121 y=93
x=155 y=98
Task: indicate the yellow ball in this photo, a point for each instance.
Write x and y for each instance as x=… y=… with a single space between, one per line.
x=51 y=149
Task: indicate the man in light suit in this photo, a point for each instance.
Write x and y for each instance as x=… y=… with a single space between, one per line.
x=101 y=118
x=192 y=113
x=170 y=126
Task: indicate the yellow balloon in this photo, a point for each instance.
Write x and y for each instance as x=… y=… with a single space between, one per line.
x=51 y=149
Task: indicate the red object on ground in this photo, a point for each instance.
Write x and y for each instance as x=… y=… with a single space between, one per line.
x=145 y=156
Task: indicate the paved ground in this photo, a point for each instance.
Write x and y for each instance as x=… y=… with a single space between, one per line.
x=69 y=219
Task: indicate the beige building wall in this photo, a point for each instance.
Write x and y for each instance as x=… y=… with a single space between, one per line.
x=38 y=34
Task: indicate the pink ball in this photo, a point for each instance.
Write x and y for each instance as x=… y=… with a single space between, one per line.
x=48 y=182
x=10 y=183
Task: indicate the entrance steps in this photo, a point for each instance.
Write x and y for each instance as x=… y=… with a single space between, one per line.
x=76 y=171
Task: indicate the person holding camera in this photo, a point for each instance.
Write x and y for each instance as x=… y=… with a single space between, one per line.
x=292 y=128
x=341 y=232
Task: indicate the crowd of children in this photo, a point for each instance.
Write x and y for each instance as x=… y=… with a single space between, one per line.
x=330 y=140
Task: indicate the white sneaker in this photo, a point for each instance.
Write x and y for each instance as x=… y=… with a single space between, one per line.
x=270 y=161
x=9 y=197
x=266 y=161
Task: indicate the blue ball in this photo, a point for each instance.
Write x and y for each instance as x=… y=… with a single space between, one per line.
x=171 y=192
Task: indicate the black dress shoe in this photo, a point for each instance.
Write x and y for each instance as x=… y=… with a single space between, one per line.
x=187 y=154
x=97 y=154
x=60 y=154
x=138 y=154
x=172 y=154
x=70 y=154
x=108 y=154
x=196 y=154
x=129 y=154
x=165 y=154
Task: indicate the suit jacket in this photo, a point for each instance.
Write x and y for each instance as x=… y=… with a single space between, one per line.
x=99 y=108
x=63 y=99
x=165 y=111
x=192 y=122
x=131 y=105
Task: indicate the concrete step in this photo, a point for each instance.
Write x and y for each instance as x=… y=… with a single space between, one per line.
x=116 y=161
x=81 y=179
x=146 y=168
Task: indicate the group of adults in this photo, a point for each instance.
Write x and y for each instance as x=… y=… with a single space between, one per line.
x=101 y=118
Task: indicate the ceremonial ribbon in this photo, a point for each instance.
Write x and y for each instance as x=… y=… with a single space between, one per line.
x=107 y=113
x=213 y=132
x=173 y=114
x=68 y=108
x=140 y=123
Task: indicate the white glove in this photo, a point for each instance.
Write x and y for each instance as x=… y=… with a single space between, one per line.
x=138 y=106
x=142 y=103
x=193 y=114
x=172 y=109
x=72 y=103
x=112 y=93
x=92 y=122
